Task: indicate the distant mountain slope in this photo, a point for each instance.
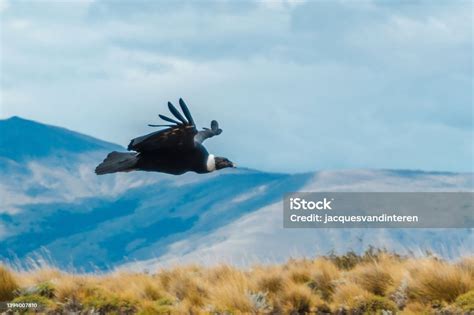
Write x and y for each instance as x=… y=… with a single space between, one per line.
x=22 y=139
x=260 y=237
x=103 y=232
x=53 y=205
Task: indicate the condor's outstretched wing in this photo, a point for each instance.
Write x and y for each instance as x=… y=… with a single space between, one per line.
x=179 y=136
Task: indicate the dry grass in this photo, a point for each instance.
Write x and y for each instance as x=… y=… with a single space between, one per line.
x=373 y=277
x=368 y=283
x=438 y=280
x=348 y=294
x=8 y=284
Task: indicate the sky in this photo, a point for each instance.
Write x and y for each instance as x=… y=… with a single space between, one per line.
x=295 y=85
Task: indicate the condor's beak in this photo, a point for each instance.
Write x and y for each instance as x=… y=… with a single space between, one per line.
x=234 y=165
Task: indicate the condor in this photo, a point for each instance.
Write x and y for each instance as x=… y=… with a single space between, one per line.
x=175 y=150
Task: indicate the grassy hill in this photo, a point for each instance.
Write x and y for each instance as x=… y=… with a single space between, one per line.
x=370 y=283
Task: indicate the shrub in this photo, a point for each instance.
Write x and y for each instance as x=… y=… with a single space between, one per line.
x=259 y=301
x=374 y=305
x=164 y=302
x=71 y=306
x=104 y=304
x=148 y=308
x=399 y=295
x=153 y=308
x=45 y=289
x=8 y=285
x=466 y=301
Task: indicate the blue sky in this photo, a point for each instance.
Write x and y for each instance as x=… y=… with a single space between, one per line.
x=295 y=85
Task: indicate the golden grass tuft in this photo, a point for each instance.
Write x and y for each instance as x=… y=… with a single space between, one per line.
x=230 y=289
x=298 y=271
x=373 y=277
x=183 y=285
x=433 y=279
x=72 y=287
x=270 y=279
x=467 y=264
x=324 y=276
x=299 y=300
x=348 y=294
x=8 y=284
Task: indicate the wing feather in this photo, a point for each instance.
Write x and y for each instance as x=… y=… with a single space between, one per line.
x=151 y=125
x=171 y=120
x=176 y=113
x=186 y=111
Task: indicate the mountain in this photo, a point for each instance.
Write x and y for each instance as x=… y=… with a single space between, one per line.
x=24 y=139
x=54 y=208
x=259 y=236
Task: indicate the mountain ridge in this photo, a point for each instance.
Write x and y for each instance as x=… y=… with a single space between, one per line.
x=21 y=139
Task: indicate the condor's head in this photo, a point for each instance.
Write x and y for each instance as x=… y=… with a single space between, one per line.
x=218 y=162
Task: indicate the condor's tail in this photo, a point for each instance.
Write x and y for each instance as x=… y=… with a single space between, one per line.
x=117 y=162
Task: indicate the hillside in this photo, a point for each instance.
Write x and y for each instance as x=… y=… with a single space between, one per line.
x=54 y=208
x=23 y=139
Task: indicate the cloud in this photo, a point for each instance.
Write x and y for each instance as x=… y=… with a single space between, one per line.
x=4 y=5
x=42 y=184
x=296 y=87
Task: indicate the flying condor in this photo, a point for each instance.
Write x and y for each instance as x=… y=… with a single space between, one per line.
x=175 y=150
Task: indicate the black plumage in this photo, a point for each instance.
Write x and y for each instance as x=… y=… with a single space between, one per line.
x=174 y=150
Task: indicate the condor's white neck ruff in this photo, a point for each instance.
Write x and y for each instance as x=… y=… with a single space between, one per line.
x=211 y=163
